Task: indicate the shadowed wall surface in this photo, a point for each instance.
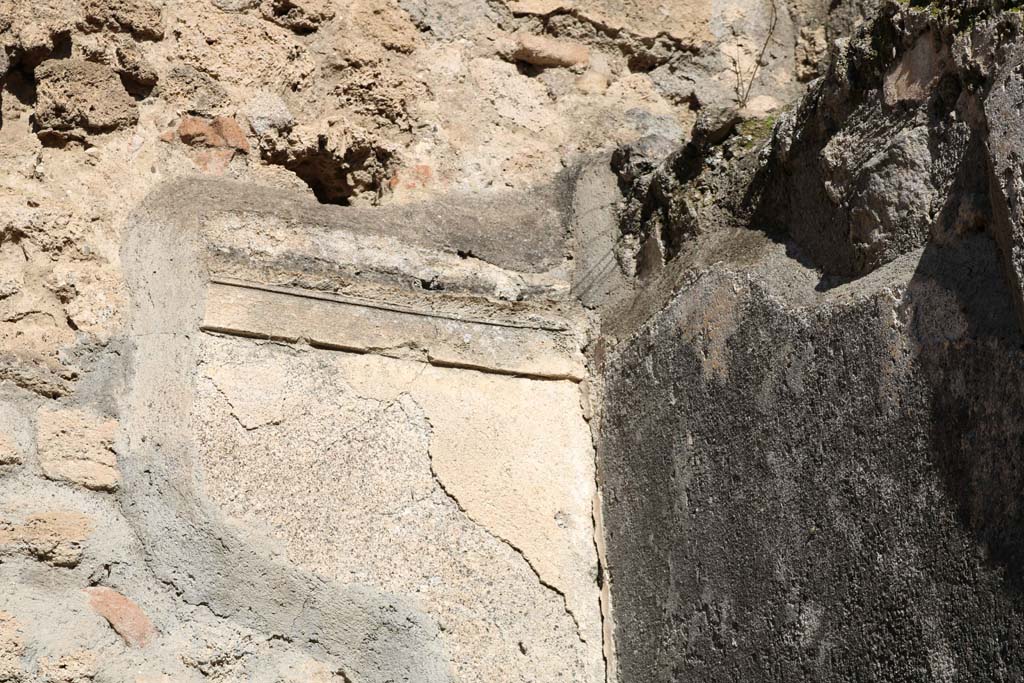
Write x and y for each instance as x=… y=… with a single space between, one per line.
x=820 y=486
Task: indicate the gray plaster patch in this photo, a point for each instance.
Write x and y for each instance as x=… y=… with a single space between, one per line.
x=399 y=520
x=370 y=634
x=346 y=482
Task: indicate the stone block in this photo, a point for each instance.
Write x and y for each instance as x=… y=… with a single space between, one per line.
x=77 y=446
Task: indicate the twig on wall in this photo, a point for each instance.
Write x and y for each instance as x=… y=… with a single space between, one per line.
x=745 y=82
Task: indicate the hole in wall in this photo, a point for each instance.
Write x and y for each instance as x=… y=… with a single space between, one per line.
x=359 y=172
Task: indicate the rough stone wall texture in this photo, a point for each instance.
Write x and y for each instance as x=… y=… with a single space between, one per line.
x=809 y=439
x=353 y=102
x=819 y=486
x=308 y=309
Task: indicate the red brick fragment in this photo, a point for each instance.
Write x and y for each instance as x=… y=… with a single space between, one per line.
x=123 y=615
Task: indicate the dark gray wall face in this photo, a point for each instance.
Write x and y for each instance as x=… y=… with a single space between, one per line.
x=845 y=15
x=819 y=513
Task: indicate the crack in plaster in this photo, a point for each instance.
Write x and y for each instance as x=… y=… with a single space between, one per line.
x=540 y=579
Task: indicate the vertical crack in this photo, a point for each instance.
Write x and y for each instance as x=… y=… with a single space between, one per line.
x=540 y=579
x=597 y=518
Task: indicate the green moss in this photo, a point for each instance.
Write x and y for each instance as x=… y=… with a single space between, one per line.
x=965 y=14
x=758 y=129
x=755 y=131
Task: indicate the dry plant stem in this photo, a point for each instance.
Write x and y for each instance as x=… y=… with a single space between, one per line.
x=743 y=93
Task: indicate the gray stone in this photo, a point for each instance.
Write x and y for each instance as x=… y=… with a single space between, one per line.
x=193 y=91
x=332 y=322
x=1004 y=145
x=268 y=113
x=522 y=231
x=235 y=5
x=881 y=156
x=133 y=65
